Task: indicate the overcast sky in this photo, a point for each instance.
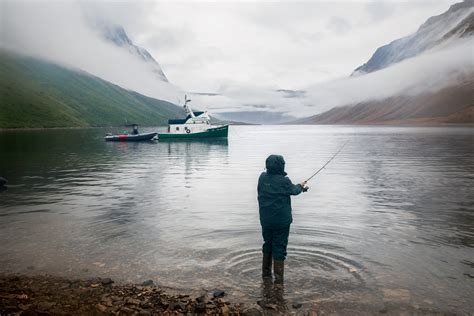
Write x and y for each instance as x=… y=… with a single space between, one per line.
x=206 y=46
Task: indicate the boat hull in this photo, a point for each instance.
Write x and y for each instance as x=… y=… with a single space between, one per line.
x=215 y=132
x=130 y=137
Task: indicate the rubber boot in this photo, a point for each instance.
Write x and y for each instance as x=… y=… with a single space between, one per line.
x=278 y=270
x=267 y=266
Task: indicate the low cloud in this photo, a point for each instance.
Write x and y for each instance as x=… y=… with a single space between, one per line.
x=338 y=25
x=430 y=71
x=61 y=32
x=270 y=56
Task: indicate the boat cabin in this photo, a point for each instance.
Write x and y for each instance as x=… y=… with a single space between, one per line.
x=195 y=122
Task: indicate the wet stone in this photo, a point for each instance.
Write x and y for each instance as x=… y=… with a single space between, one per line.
x=173 y=306
x=45 y=306
x=297 y=305
x=106 y=281
x=101 y=307
x=218 y=293
x=132 y=301
x=148 y=283
x=202 y=299
x=252 y=312
x=24 y=307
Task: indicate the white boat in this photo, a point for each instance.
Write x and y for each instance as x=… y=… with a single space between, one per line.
x=195 y=125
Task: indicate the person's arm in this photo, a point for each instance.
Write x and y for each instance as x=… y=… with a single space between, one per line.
x=294 y=189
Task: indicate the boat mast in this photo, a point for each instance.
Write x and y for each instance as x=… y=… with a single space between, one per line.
x=187 y=108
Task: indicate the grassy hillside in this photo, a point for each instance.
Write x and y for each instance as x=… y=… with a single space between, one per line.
x=36 y=93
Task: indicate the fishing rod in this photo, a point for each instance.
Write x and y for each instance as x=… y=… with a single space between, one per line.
x=327 y=163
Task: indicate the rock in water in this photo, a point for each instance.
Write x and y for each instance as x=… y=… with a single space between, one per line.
x=218 y=293
x=148 y=283
x=106 y=281
x=3 y=184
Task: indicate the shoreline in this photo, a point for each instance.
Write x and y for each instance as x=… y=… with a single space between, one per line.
x=9 y=129
x=46 y=294
x=51 y=295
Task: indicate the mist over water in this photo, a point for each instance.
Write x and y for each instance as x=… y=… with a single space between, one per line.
x=390 y=219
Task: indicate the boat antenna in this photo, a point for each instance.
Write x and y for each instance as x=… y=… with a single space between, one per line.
x=327 y=163
x=186 y=106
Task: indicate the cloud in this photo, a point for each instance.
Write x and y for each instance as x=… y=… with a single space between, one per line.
x=380 y=10
x=338 y=25
x=61 y=32
x=430 y=71
x=294 y=57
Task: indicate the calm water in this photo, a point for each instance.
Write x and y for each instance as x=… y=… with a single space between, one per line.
x=391 y=219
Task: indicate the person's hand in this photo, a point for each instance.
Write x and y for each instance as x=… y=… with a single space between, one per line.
x=303 y=185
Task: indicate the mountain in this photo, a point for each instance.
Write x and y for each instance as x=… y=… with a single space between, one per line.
x=116 y=34
x=454 y=104
x=36 y=93
x=451 y=103
x=437 y=31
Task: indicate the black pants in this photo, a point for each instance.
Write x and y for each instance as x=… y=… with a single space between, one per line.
x=275 y=241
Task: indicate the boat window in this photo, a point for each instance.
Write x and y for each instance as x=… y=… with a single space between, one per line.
x=177 y=128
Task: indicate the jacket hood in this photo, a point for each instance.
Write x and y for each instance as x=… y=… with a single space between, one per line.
x=275 y=164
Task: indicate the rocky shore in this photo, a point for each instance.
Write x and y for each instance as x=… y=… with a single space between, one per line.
x=48 y=295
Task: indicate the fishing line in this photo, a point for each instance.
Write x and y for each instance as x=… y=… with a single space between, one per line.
x=334 y=156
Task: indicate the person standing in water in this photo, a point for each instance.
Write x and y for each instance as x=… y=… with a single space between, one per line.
x=274 y=199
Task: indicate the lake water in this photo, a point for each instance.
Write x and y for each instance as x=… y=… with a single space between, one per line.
x=389 y=221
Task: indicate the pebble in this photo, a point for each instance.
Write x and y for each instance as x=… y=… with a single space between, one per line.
x=44 y=306
x=132 y=301
x=297 y=305
x=218 y=293
x=148 y=283
x=101 y=307
x=252 y=312
x=106 y=281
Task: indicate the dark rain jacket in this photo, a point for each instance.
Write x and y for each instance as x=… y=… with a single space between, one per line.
x=274 y=191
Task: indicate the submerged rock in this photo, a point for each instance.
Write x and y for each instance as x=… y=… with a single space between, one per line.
x=148 y=283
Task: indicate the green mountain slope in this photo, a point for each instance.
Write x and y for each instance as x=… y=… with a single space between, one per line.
x=35 y=93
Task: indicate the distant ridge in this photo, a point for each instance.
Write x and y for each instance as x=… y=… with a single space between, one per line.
x=37 y=94
x=456 y=22
x=450 y=105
